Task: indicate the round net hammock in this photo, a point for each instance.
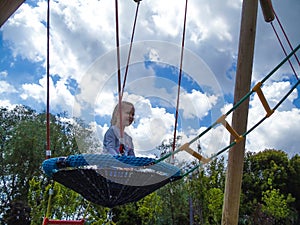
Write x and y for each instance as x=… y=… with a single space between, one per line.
x=109 y=180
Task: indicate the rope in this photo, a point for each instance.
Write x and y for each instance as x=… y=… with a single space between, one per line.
x=281 y=44
x=179 y=78
x=270 y=15
x=49 y=205
x=232 y=109
x=120 y=87
x=130 y=47
x=119 y=76
x=86 y=210
x=286 y=37
x=48 y=151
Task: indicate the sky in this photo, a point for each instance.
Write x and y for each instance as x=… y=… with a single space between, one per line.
x=83 y=68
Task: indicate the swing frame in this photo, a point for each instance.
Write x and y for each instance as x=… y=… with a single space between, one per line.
x=48 y=221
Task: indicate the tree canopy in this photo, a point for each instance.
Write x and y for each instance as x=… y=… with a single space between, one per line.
x=270 y=186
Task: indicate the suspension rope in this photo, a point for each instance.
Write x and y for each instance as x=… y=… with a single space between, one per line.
x=283 y=49
x=48 y=151
x=179 y=79
x=49 y=205
x=286 y=37
x=119 y=78
x=262 y=120
x=269 y=15
x=204 y=160
x=130 y=47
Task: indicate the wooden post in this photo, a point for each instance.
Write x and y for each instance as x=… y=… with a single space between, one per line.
x=234 y=175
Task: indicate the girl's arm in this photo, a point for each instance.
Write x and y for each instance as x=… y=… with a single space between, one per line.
x=110 y=142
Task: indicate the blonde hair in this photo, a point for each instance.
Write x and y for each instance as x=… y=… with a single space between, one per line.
x=115 y=114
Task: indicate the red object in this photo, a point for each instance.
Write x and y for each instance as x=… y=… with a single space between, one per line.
x=62 y=222
x=121 y=149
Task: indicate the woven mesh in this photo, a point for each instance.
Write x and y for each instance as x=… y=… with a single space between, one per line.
x=110 y=180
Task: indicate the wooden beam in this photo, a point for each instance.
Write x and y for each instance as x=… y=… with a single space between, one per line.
x=7 y=8
x=234 y=175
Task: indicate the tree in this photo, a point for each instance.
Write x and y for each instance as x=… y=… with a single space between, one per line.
x=205 y=188
x=265 y=181
x=198 y=187
x=293 y=183
x=16 y=155
x=215 y=198
x=270 y=188
x=175 y=203
x=64 y=204
x=20 y=214
x=150 y=208
x=22 y=146
x=276 y=205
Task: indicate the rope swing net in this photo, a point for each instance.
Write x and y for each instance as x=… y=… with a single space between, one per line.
x=113 y=180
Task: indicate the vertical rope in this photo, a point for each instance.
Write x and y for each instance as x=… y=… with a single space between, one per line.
x=51 y=193
x=281 y=44
x=283 y=49
x=179 y=79
x=48 y=151
x=119 y=74
x=130 y=47
x=286 y=37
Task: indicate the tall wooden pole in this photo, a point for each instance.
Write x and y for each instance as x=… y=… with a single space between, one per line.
x=239 y=118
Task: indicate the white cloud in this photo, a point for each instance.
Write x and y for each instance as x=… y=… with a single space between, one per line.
x=167 y=21
x=278 y=131
x=82 y=47
x=196 y=104
x=6 y=87
x=3 y=73
x=6 y=104
x=26 y=33
x=153 y=129
x=60 y=97
x=34 y=91
x=273 y=93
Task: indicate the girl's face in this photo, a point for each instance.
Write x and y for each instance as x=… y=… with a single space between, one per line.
x=127 y=115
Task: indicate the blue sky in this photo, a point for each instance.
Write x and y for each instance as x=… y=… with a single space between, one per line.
x=83 y=67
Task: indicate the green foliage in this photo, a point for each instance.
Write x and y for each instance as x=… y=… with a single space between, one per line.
x=22 y=148
x=293 y=182
x=64 y=204
x=19 y=215
x=207 y=193
x=36 y=201
x=19 y=158
x=270 y=186
x=215 y=201
x=266 y=194
x=198 y=186
x=174 y=203
x=276 y=204
x=149 y=208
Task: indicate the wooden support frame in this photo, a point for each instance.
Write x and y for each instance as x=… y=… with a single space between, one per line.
x=232 y=131
x=257 y=89
x=186 y=147
x=7 y=8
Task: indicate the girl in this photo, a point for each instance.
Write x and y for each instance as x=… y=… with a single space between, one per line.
x=112 y=139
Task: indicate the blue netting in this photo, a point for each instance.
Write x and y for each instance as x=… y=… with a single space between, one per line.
x=110 y=180
x=52 y=165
